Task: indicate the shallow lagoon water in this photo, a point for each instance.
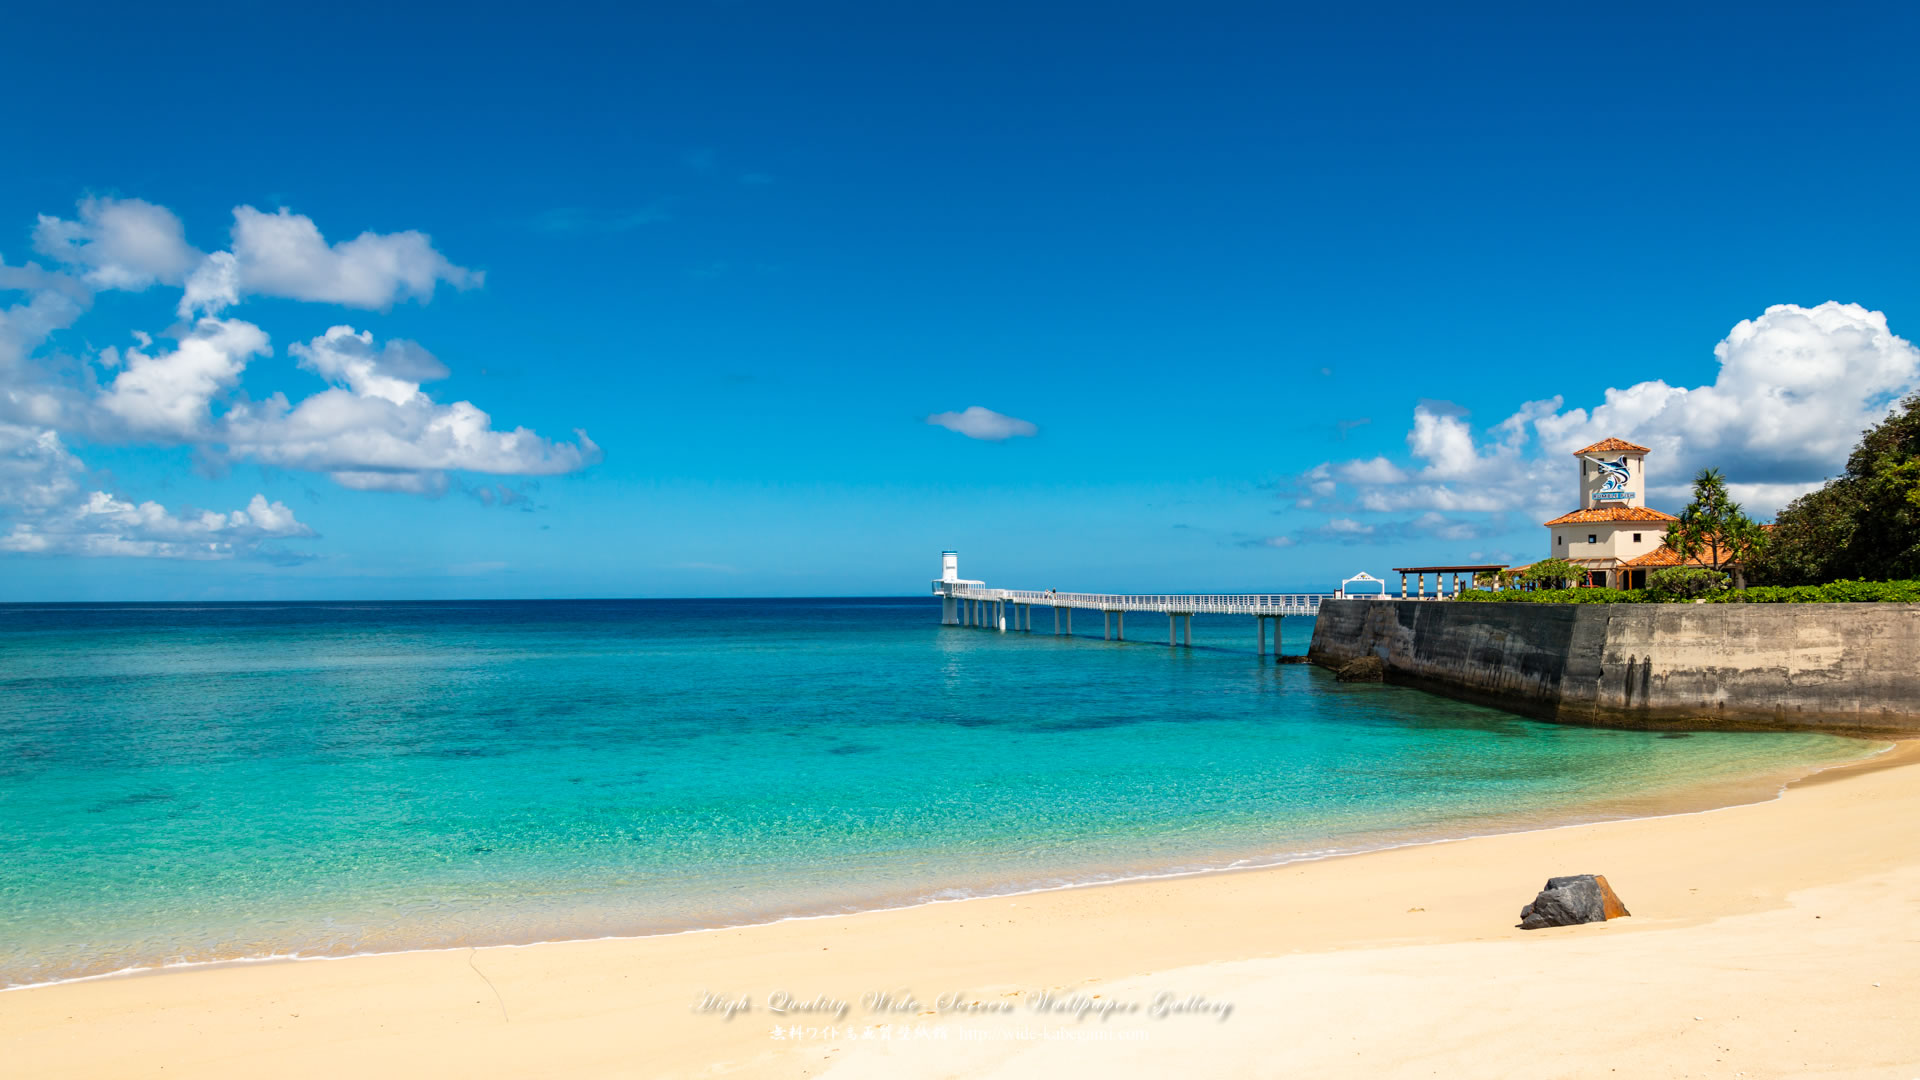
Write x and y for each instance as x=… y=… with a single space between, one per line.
x=186 y=783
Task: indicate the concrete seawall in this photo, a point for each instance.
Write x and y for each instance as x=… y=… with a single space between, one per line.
x=1852 y=668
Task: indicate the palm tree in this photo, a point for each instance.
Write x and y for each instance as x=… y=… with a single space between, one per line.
x=1714 y=529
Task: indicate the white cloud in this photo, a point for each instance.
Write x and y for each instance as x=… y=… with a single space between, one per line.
x=1795 y=388
x=394 y=373
x=284 y=254
x=105 y=526
x=374 y=428
x=53 y=302
x=380 y=432
x=119 y=244
x=167 y=395
x=213 y=286
x=36 y=469
x=1371 y=471
x=977 y=423
x=1445 y=443
x=39 y=486
x=132 y=244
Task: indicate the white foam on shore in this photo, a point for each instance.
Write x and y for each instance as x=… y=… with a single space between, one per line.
x=1237 y=866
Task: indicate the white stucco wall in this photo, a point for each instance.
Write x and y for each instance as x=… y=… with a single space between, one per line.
x=1615 y=539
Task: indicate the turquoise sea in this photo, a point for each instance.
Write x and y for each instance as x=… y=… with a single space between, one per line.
x=186 y=783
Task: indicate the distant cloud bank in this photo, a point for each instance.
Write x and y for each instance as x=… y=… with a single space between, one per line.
x=978 y=423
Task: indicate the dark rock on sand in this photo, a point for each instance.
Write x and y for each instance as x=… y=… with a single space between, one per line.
x=1362 y=669
x=1569 y=901
x=1291 y=660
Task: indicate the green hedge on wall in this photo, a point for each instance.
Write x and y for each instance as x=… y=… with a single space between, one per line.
x=1834 y=592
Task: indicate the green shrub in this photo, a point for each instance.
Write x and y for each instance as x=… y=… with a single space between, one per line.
x=1685 y=583
x=1837 y=592
x=1553 y=573
x=1558 y=596
x=1833 y=592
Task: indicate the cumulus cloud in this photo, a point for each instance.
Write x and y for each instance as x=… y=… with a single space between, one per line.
x=375 y=430
x=37 y=471
x=284 y=254
x=1371 y=471
x=167 y=394
x=105 y=526
x=40 y=487
x=119 y=244
x=977 y=423
x=53 y=301
x=1795 y=388
x=132 y=244
x=392 y=373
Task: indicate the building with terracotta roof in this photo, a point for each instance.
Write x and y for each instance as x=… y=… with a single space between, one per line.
x=1611 y=444
x=1612 y=529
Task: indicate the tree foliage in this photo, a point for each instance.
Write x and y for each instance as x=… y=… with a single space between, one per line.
x=1685 y=583
x=1714 y=529
x=1833 y=592
x=1864 y=523
x=1553 y=574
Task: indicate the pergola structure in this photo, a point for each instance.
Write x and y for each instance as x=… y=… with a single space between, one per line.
x=1439 y=577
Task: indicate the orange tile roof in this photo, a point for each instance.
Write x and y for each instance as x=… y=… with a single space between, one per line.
x=1611 y=444
x=1611 y=513
x=1666 y=556
x=1660 y=557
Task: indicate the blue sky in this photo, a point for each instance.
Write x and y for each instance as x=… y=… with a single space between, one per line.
x=1265 y=283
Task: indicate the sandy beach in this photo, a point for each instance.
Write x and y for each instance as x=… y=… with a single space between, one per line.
x=1778 y=939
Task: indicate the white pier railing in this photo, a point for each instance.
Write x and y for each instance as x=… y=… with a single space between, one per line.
x=1269 y=604
x=965 y=602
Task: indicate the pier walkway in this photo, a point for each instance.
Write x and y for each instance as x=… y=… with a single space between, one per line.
x=971 y=603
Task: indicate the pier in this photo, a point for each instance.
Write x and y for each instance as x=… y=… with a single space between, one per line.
x=971 y=603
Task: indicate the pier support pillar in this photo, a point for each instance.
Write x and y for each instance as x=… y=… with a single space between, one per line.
x=1186 y=631
x=1069 y=622
x=1120 y=626
x=1106 y=626
x=1172 y=621
x=1260 y=635
x=1056 y=622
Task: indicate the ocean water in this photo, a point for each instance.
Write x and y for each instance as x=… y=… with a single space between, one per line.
x=186 y=783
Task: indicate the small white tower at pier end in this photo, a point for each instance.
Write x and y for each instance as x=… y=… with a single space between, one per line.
x=945 y=586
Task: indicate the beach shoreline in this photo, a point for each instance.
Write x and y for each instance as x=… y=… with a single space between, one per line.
x=631 y=1006
x=1699 y=796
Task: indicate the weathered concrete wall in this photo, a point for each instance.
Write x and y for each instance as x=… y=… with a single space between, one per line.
x=1829 y=667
